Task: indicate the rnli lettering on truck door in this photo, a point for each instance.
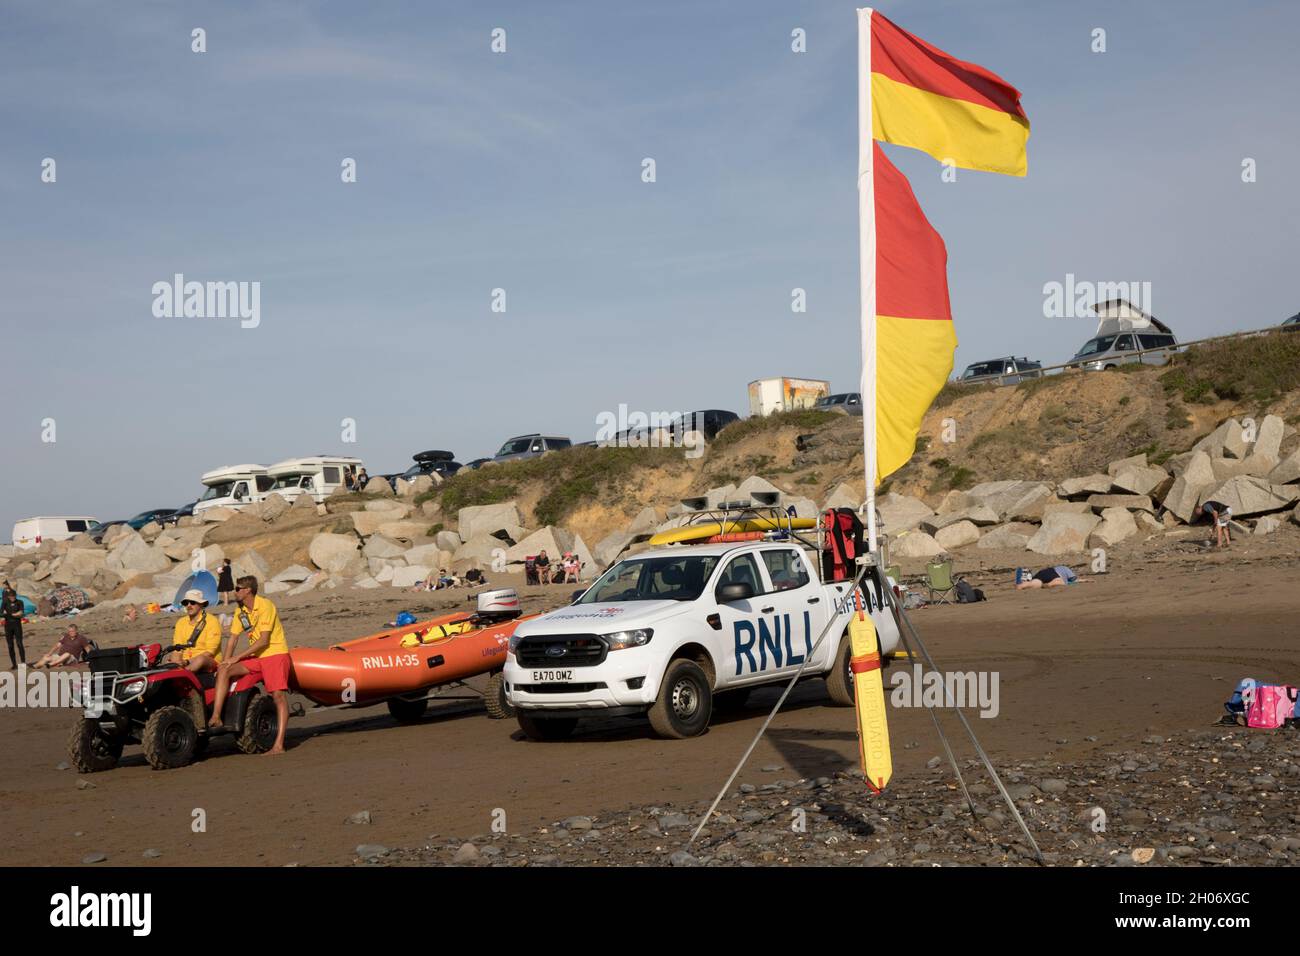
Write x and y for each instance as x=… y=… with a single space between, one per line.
x=770 y=643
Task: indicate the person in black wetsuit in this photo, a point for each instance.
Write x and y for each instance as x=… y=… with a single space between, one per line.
x=12 y=610
x=225 y=582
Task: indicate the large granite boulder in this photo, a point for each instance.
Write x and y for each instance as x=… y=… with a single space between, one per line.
x=1063 y=532
x=1184 y=494
x=1247 y=495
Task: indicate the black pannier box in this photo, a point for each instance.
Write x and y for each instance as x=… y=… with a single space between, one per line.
x=122 y=660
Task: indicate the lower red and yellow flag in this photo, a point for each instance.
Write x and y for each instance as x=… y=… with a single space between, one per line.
x=915 y=340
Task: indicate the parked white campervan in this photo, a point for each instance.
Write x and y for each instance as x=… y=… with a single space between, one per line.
x=30 y=532
x=319 y=476
x=234 y=486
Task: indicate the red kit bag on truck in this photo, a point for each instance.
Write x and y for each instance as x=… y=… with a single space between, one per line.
x=843 y=543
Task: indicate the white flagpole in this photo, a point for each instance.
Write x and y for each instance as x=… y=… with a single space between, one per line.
x=867 y=266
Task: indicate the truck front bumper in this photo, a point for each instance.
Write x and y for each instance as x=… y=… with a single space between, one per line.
x=621 y=684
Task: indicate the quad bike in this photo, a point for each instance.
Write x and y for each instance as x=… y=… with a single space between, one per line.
x=135 y=697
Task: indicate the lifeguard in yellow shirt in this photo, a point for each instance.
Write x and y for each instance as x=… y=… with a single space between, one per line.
x=267 y=655
x=197 y=635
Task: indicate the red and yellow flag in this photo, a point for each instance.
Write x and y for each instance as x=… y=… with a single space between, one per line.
x=915 y=340
x=957 y=112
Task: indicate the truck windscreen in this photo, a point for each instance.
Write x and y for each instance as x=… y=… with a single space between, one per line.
x=668 y=578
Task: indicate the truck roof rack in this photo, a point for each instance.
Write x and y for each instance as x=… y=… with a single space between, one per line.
x=762 y=504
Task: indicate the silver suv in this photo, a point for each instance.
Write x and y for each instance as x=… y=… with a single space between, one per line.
x=1125 y=348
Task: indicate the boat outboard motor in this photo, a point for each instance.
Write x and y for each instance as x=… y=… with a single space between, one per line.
x=499 y=604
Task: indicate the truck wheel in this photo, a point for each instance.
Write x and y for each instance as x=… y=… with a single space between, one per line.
x=839 y=681
x=90 y=749
x=494 y=697
x=407 y=711
x=169 y=738
x=261 y=724
x=545 y=728
x=685 y=701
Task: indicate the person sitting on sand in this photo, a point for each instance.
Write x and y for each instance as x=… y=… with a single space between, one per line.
x=1219 y=514
x=69 y=649
x=543 y=565
x=267 y=656
x=199 y=633
x=1056 y=577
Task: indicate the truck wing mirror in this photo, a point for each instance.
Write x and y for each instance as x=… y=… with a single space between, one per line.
x=736 y=591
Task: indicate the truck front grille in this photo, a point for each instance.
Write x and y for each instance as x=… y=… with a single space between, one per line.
x=558 y=651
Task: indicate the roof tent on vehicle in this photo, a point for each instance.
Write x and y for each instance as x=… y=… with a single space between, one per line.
x=1119 y=315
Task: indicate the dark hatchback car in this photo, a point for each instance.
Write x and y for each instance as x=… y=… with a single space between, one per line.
x=710 y=421
x=161 y=515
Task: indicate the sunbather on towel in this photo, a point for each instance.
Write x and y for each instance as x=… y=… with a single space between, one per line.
x=1055 y=577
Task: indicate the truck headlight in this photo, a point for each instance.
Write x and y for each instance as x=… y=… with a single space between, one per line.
x=621 y=640
x=514 y=644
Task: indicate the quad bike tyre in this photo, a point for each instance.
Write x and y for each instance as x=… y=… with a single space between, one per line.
x=90 y=749
x=261 y=724
x=494 y=698
x=169 y=738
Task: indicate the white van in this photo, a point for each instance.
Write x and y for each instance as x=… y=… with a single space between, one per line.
x=31 y=532
x=318 y=476
x=233 y=486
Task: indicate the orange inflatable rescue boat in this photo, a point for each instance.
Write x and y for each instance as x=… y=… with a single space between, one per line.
x=403 y=665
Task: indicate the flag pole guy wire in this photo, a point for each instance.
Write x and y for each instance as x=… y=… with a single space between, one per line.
x=970 y=732
x=761 y=730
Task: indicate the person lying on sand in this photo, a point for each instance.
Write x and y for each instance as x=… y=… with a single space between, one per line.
x=1055 y=577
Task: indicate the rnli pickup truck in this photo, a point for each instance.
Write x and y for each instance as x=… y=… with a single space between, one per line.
x=677 y=631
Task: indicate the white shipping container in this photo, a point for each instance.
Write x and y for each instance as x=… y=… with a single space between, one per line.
x=768 y=395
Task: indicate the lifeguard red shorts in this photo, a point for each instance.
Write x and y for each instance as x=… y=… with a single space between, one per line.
x=273 y=670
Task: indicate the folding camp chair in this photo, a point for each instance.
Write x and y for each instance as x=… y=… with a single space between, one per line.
x=939 y=579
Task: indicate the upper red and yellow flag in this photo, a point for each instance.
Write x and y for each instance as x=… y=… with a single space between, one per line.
x=915 y=340
x=957 y=112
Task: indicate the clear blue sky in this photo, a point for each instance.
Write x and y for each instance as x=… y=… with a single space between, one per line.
x=523 y=171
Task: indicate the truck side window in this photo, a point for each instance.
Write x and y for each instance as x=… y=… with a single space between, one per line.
x=742 y=570
x=786 y=569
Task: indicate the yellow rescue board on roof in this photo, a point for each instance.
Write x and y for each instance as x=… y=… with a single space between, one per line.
x=869 y=702
x=707 y=529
